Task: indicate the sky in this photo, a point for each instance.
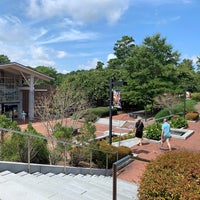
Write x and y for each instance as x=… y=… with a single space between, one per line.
x=71 y=35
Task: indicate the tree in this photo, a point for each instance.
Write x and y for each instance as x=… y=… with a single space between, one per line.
x=186 y=76
x=57 y=107
x=87 y=133
x=4 y=59
x=122 y=49
x=7 y=123
x=152 y=70
x=15 y=147
x=99 y=65
x=49 y=71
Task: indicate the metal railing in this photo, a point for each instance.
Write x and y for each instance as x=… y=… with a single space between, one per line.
x=29 y=135
x=122 y=162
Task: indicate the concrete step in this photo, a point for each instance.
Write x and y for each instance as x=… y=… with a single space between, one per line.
x=61 y=187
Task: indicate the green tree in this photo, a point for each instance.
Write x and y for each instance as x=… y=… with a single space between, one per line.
x=152 y=70
x=7 y=123
x=4 y=59
x=186 y=76
x=87 y=133
x=15 y=148
x=63 y=133
x=49 y=71
x=99 y=65
x=122 y=49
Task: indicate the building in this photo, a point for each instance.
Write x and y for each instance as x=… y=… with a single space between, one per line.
x=17 y=89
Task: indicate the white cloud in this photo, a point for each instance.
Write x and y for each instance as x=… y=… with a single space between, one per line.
x=70 y=35
x=12 y=31
x=193 y=58
x=79 y=10
x=161 y=2
x=111 y=56
x=62 y=54
x=91 y=64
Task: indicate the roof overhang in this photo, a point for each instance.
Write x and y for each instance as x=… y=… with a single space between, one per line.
x=18 y=69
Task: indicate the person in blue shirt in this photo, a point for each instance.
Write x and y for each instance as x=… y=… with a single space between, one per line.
x=166 y=134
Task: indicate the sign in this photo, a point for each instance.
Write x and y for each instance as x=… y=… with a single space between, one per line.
x=117 y=99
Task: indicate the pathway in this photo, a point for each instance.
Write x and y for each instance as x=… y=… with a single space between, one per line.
x=149 y=150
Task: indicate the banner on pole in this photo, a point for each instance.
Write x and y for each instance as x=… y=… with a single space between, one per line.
x=117 y=99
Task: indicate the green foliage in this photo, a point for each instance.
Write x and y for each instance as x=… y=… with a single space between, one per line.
x=99 y=157
x=174 y=175
x=178 y=122
x=56 y=154
x=178 y=108
x=92 y=114
x=161 y=114
x=195 y=96
x=62 y=132
x=87 y=133
x=49 y=71
x=153 y=131
x=15 y=148
x=192 y=116
x=79 y=154
x=4 y=59
x=7 y=123
x=124 y=137
x=189 y=106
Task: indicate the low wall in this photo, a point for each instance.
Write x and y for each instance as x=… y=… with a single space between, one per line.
x=16 y=167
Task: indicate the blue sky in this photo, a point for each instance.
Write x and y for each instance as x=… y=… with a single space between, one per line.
x=71 y=35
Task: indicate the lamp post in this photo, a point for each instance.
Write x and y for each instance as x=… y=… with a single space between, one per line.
x=118 y=83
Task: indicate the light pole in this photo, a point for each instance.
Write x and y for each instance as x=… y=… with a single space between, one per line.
x=118 y=83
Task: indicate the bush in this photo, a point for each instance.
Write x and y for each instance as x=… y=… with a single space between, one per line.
x=174 y=175
x=192 y=116
x=99 y=157
x=161 y=114
x=78 y=155
x=93 y=114
x=195 y=96
x=189 y=106
x=178 y=122
x=153 y=131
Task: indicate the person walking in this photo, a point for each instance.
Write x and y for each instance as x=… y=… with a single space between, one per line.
x=139 y=126
x=166 y=134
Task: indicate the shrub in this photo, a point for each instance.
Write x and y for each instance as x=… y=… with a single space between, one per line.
x=192 y=116
x=99 y=157
x=179 y=108
x=178 y=122
x=161 y=114
x=78 y=155
x=153 y=131
x=92 y=114
x=190 y=105
x=195 y=96
x=174 y=175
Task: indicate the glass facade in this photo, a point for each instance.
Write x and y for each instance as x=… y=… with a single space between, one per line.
x=9 y=91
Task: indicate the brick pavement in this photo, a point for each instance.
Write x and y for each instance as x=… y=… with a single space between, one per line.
x=149 y=150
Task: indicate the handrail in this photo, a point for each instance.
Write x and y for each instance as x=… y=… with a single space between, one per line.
x=115 y=166
x=120 y=162
x=58 y=141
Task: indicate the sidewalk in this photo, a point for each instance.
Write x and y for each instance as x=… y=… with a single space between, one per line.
x=150 y=150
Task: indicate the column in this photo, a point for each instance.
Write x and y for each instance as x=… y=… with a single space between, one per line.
x=31 y=99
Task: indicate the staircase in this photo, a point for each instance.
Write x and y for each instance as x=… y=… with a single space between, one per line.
x=38 y=186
